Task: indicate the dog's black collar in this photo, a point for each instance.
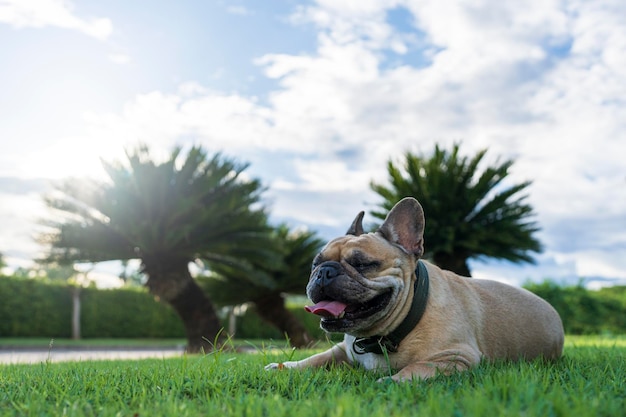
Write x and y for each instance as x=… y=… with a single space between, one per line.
x=390 y=342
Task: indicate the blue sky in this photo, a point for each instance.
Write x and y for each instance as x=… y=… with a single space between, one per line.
x=319 y=95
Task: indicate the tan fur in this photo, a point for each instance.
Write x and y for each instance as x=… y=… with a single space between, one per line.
x=466 y=320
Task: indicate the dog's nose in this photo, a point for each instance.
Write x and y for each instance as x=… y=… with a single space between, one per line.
x=326 y=273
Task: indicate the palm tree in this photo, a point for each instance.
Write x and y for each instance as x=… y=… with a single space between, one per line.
x=166 y=215
x=269 y=283
x=469 y=212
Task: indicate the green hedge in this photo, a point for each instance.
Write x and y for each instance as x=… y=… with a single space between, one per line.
x=32 y=308
x=35 y=308
x=583 y=311
x=29 y=308
x=127 y=313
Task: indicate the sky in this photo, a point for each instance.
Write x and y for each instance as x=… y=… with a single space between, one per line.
x=317 y=96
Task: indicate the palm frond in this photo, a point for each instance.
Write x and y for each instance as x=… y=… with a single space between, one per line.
x=190 y=206
x=469 y=211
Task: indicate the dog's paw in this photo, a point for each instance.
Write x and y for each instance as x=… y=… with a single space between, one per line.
x=281 y=365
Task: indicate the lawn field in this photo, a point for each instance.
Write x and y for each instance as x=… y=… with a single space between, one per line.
x=590 y=380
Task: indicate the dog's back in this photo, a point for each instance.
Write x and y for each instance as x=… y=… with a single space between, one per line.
x=528 y=326
x=512 y=323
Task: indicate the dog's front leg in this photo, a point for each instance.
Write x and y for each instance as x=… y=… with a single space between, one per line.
x=425 y=370
x=335 y=355
x=443 y=363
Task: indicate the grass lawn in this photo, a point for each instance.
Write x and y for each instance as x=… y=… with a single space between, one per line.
x=589 y=381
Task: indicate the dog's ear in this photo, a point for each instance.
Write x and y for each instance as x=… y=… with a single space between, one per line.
x=404 y=226
x=356 y=228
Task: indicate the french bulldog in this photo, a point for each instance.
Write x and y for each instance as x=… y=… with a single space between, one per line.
x=407 y=316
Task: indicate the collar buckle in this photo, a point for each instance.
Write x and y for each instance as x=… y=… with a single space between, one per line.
x=374 y=344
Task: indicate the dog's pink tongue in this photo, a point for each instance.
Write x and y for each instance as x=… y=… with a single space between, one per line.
x=327 y=309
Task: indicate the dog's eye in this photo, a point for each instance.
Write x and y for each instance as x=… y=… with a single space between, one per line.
x=361 y=262
x=365 y=265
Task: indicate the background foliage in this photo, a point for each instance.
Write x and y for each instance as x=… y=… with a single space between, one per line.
x=126 y=313
x=34 y=308
x=471 y=210
x=584 y=311
x=30 y=308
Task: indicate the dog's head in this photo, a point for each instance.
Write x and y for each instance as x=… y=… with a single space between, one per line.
x=361 y=282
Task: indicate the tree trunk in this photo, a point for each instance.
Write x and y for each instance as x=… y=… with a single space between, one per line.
x=76 y=313
x=272 y=309
x=450 y=262
x=232 y=322
x=176 y=287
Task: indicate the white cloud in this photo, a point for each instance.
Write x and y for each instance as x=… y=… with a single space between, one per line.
x=19 y=217
x=324 y=176
x=161 y=119
x=41 y=13
x=120 y=58
x=541 y=82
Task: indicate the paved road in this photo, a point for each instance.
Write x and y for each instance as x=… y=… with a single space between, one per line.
x=34 y=356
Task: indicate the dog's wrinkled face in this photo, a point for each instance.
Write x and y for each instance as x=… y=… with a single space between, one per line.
x=361 y=282
x=356 y=283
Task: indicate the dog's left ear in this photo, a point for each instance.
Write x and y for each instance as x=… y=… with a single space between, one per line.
x=404 y=226
x=356 y=228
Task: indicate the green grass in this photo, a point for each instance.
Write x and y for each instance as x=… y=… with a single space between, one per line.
x=590 y=380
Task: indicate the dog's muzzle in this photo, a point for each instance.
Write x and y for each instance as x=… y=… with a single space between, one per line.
x=326 y=274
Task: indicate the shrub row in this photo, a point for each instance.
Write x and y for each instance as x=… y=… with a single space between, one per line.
x=32 y=308
x=35 y=308
x=583 y=311
x=126 y=313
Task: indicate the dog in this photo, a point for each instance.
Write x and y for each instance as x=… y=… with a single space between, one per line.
x=402 y=313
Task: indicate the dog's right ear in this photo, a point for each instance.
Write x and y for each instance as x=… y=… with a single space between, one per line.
x=404 y=226
x=356 y=228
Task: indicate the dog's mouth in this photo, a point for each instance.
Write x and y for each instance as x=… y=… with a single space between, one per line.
x=331 y=310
